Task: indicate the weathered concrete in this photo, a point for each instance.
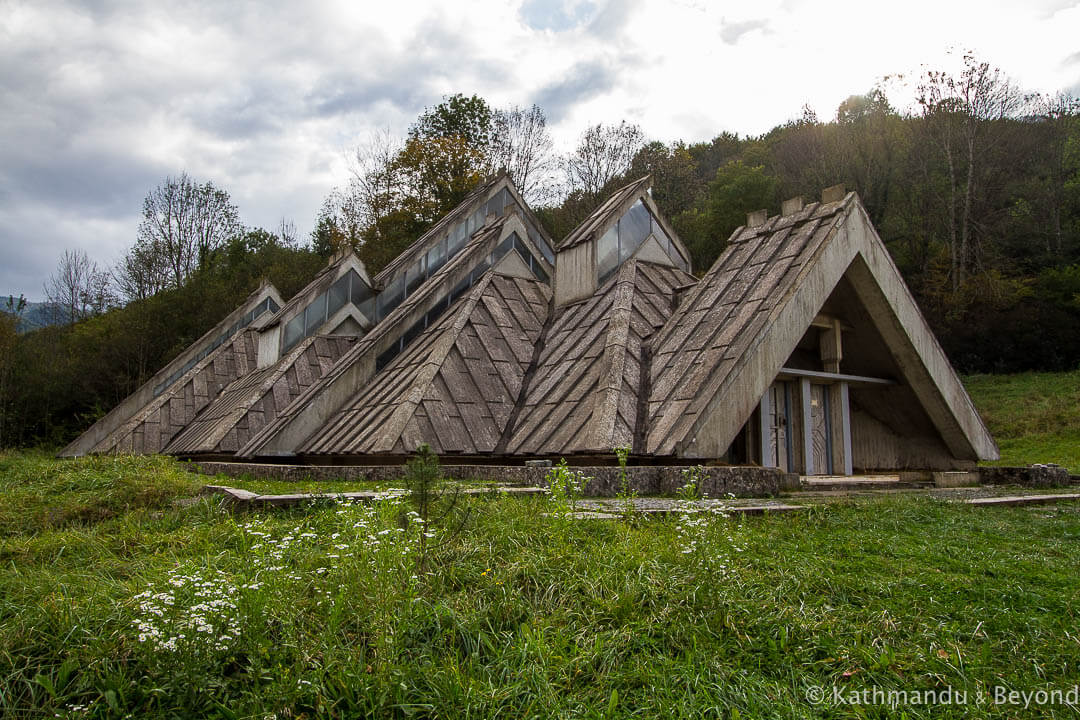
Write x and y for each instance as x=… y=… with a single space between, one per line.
x=651 y=512
x=289 y=430
x=841 y=483
x=1033 y=476
x=604 y=481
x=955 y=479
x=245 y=498
x=1011 y=500
x=575 y=274
x=851 y=250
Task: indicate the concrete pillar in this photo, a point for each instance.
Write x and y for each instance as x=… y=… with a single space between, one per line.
x=845 y=422
x=764 y=413
x=807 y=428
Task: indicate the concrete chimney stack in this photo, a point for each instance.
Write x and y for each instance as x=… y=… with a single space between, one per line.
x=792 y=206
x=832 y=194
x=756 y=218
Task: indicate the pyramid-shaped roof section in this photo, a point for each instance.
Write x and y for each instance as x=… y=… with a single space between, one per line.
x=155 y=424
x=253 y=400
x=586 y=393
x=455 y=386
x=729 y=339
x=499 y=238
x=342 y=261
x=627 y=203
x=262 y=303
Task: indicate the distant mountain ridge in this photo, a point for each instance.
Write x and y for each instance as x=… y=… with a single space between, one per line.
x=34 y=316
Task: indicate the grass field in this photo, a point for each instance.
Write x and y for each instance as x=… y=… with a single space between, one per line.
x=115 y=602
x=1035 y=417
x=123 y=594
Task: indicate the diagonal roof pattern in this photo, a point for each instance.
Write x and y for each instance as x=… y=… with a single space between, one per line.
x=585 y=393
x=455 y=386
x=250 y=402
x=394 y=324
x=725 y=314
x=604 y=215
x=151 y=429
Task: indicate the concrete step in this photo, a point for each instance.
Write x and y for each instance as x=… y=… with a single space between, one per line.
x=857 y=483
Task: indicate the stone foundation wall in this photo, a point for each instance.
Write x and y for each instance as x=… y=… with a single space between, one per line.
x=716 y=482
x=1034 y=476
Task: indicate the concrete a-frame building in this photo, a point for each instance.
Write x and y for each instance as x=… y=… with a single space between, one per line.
x=800 y=348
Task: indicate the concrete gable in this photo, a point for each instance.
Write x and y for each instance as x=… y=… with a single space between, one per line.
x=851 y=249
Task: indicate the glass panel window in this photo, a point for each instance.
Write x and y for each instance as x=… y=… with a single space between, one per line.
x=436 y=257
x=294 y=331
x=634 y=227
x=390 y=298
x=497 y=203
x=412 y=332
x=479 y=270
x=338 y=294
x=414 y=276
x=363 y=298
x=459 y=289
x=315 y=315
x=607 y=253
x=539 y=242
x=504 y=247
x=457 y=238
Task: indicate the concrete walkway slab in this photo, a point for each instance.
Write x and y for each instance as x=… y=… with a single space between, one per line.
x=246 y=498
x=1010 y=500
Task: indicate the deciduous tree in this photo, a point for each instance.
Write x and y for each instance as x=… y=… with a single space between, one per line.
x=79 y=288
x=182 y=222
x=521 y=144
x=603 y=154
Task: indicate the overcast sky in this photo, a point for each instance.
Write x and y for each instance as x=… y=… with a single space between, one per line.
x=100 y=101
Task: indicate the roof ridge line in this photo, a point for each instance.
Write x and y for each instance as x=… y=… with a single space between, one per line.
x=604 y=411
x=351 y=356
x=282 y=366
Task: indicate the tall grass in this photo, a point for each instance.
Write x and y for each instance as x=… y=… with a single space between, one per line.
x=325 y=612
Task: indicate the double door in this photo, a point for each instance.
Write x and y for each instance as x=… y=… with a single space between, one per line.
x=797 y=427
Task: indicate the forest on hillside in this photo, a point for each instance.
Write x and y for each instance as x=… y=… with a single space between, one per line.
x=975 y=190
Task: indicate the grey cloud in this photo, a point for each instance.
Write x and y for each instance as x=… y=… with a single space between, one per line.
x=98 y=180
x=731 y=33
x=341 y=93
x=582 y=82
x=263 y=108
x=411 y=82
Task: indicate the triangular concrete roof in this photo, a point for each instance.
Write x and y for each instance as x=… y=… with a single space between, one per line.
x=113 y=431
x=585 y=392
x=721 y=350
x=253 y=400
x=455 y=386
